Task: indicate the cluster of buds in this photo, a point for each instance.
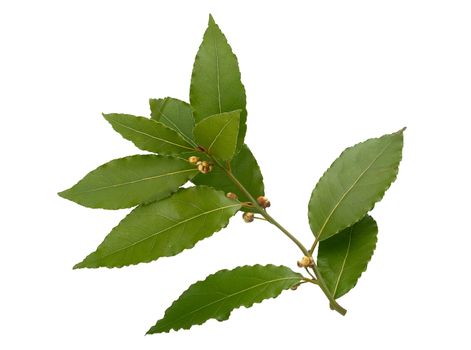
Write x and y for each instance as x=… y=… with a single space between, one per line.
x=263 y=202
x=306 y=261
x=248 y=217
x=204 y=167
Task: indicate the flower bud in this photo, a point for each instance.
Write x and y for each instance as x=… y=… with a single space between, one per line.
x=248 y=217
x=263 y=201
x=193 y=159
x=204 y=167
x=305 y=261
x=231 y=195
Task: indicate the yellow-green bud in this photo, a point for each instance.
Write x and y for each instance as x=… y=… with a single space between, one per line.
x=231 y=195
x=193 y=159
x=305 y=261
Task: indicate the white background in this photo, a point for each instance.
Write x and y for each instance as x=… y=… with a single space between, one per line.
x=320 y=76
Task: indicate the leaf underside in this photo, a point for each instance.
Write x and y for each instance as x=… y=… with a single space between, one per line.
x=164 y=228
x=127 y=182
x=356 y=180
x=343 y=258
x=216 y=86
x=224 y=291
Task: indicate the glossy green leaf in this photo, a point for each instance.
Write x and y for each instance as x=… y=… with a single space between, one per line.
x=175 y=114
x=148 y=134
x=164 y=228
x=129 y=181
x=343 y=258
x=226 y=290
x=356 y=180
x=216 y=86
x=218 y=134
x=245 y=168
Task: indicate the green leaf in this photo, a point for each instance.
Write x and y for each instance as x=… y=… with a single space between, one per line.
x=224 y=291
x=148 y=134
x=343 y=258
x=129 y=181
x=245 y=168
x=175 y=114
x=164 y=228
x=356 y=180
x=218 y=134
x=215 y=82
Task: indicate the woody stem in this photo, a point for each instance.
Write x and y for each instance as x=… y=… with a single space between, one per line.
x=257 y=208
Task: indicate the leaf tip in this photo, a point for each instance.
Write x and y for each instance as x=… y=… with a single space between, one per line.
x=110 y=117
x=64 y=194
x=85 y=263
x=152 y=330
x=77 y=266
x=211 y=19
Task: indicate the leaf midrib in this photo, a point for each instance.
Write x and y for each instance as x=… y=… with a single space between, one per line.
x=219 y=134
x=152 y=235
x=231 y=295
x=152 y=136
x=344 y=261
x=182 y=134
x=134 y=181
x=213 y=34
x=350 y=189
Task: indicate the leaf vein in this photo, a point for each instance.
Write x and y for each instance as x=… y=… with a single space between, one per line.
x=350 y=189
x=219 y=134
x=152 y=235
x=344 y=261
x=152 y=136
x=134 y=181
x=234 y=294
